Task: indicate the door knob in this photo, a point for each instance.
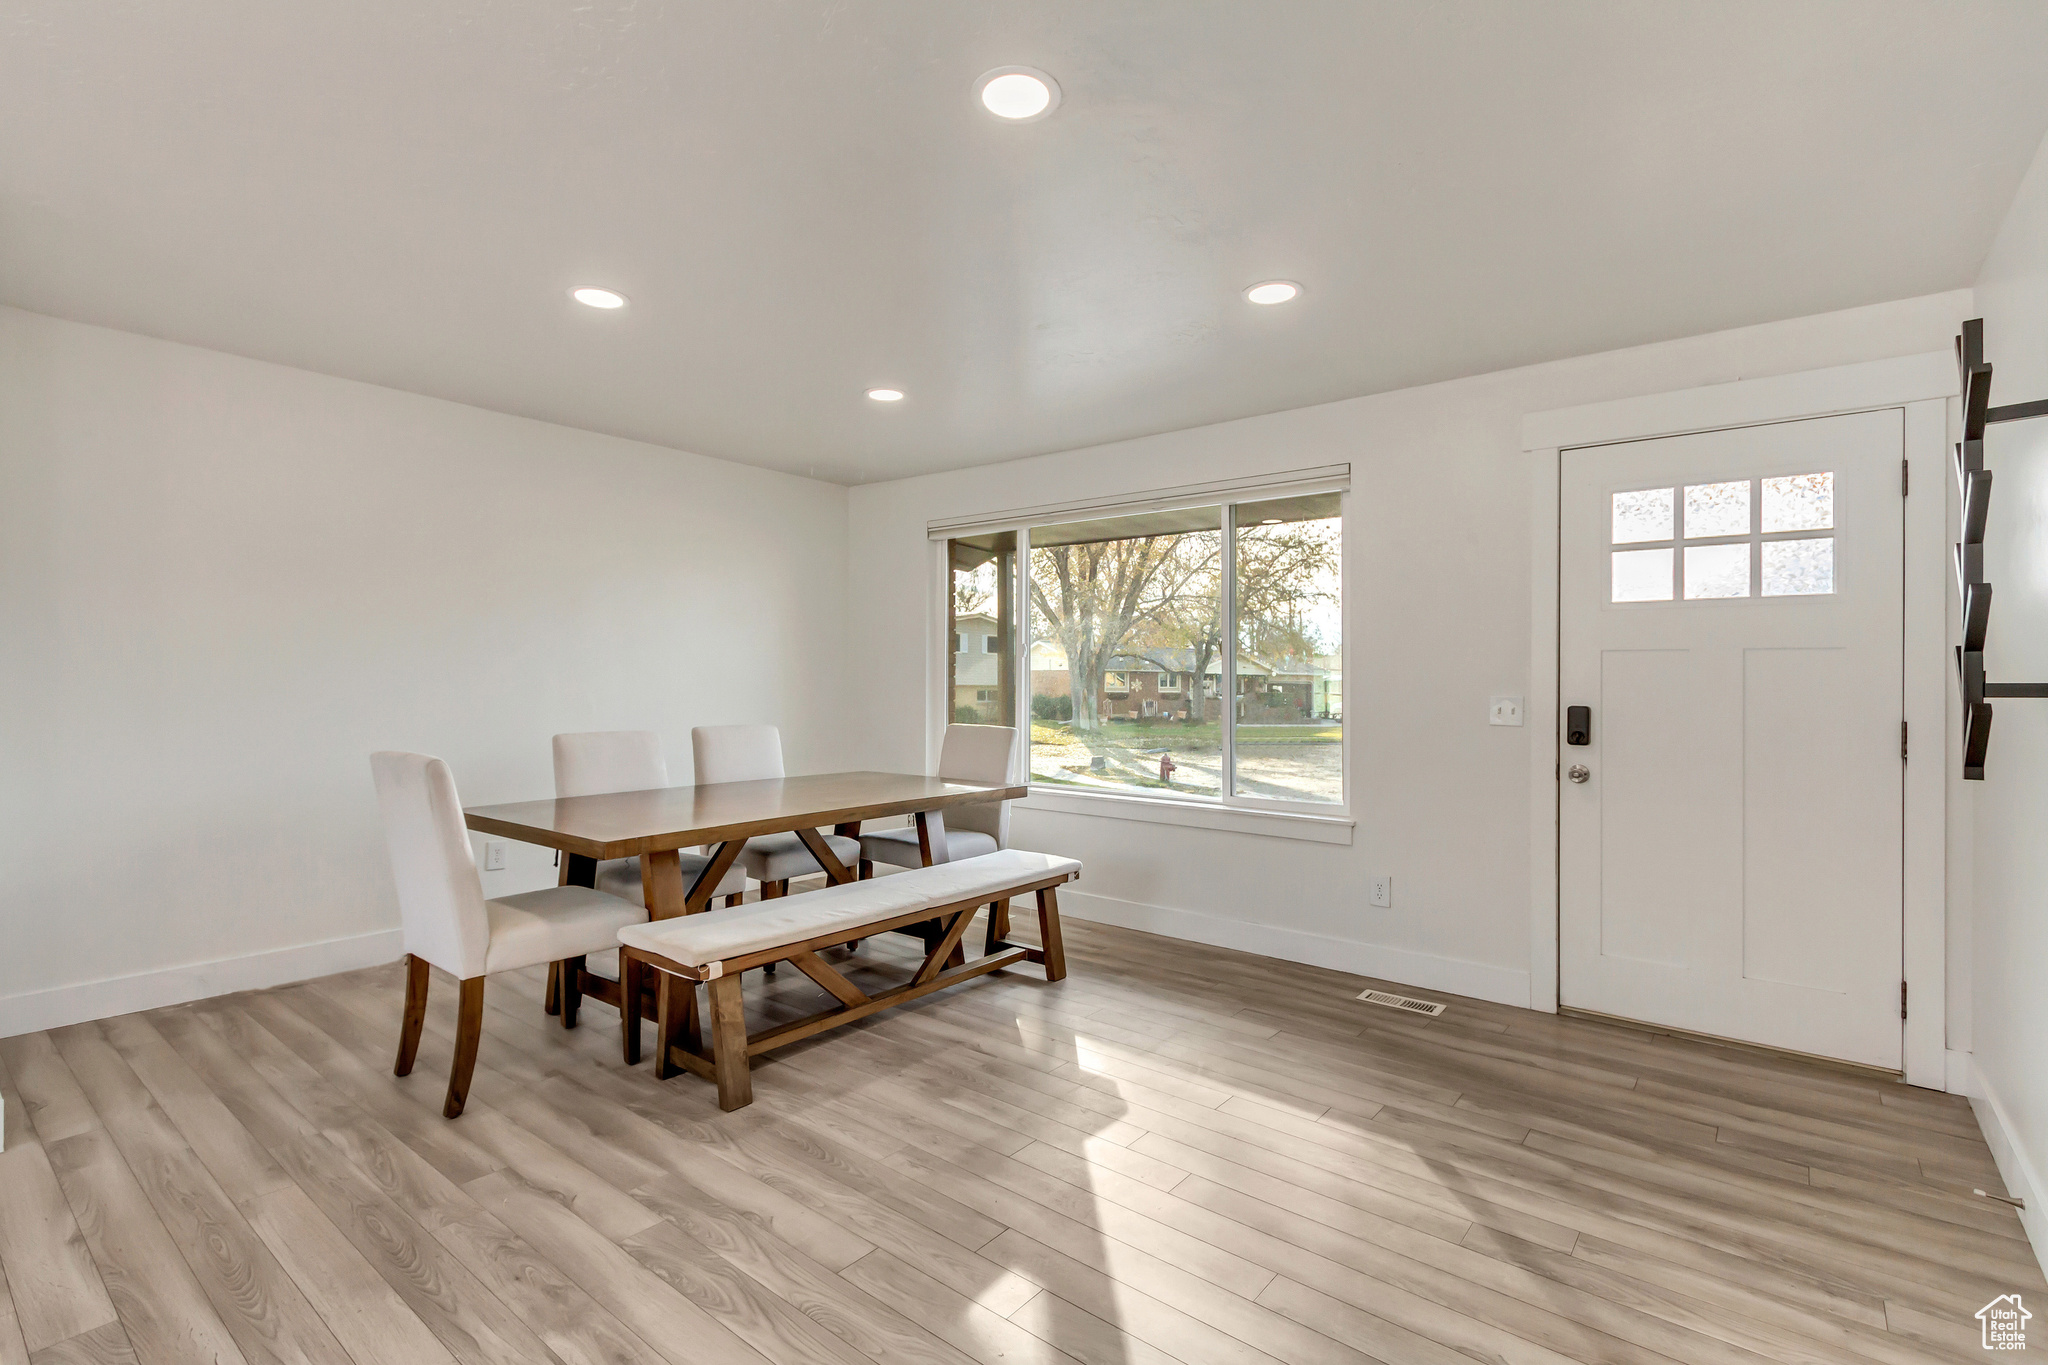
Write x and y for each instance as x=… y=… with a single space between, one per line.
x=1578 y=772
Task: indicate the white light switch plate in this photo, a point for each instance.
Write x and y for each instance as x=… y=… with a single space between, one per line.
x=494 y=855
x=1504 y=711
x=1383 y=892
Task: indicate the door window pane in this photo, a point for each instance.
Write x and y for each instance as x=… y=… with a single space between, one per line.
x=1716 y=509
x=1799 y=502
x=1717 y=570
x=1642 y=575
x=1642 y=515
x=1799 y=568
x=1290 y=703
x=981 y=682
x=1114 y=604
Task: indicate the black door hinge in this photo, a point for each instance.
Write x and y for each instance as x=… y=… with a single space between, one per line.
x=1902 y=1000
x=1902 y=741
x=1905 y=477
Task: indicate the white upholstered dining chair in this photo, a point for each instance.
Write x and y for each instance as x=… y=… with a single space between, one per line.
x=448 y=923
x=599 y=761
x=970 y=753
x=750 y=753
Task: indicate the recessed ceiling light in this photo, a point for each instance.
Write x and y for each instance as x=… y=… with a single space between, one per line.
x=886 y=395
x=598 y=298
x=1017 y=94
x=1273 y=291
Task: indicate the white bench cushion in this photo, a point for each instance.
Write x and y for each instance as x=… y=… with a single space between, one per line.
x=554 y=923
x=715 y=935
x=898 y=847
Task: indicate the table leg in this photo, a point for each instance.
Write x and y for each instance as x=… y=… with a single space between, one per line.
x=661 y=884
x=706 y=886
x=931 y=849
x=835 y=871
x=931 y=837
x=577 y=870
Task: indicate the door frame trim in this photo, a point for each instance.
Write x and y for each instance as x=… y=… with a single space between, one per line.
x=1921 y=387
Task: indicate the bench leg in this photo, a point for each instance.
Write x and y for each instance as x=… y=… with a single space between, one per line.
x=998 y=925
x=551 y=1001
x=570 y=972
x=729 y=1045
x=734 y=899
x=1049 y=935
x=675 y=1003
x=629 y=1005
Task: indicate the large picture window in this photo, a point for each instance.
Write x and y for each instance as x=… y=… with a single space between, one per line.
x=1128 y=684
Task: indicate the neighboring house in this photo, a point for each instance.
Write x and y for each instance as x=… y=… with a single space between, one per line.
x=1160 y=683
x=977 y=669
x=1331 y=702
x=977 y=686
x=976 y=634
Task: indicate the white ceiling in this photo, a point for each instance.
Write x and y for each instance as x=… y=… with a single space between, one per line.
x=802 y=200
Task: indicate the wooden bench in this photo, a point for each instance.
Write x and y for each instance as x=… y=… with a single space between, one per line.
x=716 y=946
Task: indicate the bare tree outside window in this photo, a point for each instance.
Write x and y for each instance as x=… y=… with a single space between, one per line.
x=1106 y=596
x=1289 y=712
x=1127 y=652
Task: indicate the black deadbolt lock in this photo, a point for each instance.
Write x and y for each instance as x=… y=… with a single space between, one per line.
x=1578 y=725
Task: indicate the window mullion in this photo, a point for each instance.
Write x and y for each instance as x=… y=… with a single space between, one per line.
x=1226 y=705
x=1756 y=528
x=1020 y=641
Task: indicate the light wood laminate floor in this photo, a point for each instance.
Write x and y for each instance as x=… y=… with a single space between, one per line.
x=1178 y=1154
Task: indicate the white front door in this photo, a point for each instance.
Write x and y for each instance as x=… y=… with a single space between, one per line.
x=1730 y=851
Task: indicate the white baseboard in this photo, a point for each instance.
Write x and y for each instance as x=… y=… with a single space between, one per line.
x=2022 y=1181
x=75 y=1004
x=1501 y=985
x=1962 y=1074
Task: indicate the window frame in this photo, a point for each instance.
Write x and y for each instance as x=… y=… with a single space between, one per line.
x=1317 y=821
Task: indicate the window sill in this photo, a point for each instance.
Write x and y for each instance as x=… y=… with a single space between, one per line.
x=1319 y=829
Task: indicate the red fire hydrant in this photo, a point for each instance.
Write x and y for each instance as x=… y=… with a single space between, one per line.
x=1166 y=767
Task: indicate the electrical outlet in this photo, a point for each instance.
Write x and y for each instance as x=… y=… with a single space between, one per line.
x=1504 y=711
x=1383 y=892
x=494 y=855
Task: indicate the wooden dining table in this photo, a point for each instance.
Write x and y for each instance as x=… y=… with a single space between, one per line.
x=654 y=826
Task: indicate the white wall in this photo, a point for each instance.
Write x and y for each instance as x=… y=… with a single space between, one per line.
x=2009 y=1026
x=1437 y=621
x=223 y=583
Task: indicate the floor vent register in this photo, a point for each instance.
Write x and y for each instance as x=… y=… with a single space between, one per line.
x=1403 y=1002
